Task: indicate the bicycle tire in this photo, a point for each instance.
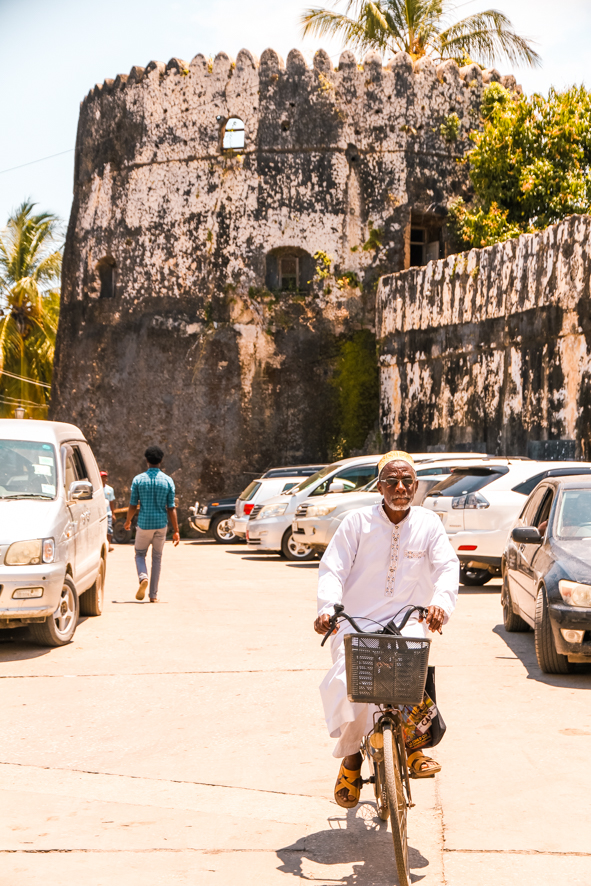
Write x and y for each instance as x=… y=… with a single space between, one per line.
x=397 y=804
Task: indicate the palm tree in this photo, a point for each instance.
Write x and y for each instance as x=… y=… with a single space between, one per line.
x=422 y=28
x=30 y=265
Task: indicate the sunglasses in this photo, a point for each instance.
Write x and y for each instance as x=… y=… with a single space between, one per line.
x=393 y=482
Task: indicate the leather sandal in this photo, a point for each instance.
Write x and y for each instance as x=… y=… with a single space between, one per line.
x=346 y=779
x=415 y=763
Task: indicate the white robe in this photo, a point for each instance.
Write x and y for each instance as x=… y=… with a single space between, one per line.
x=375 y=568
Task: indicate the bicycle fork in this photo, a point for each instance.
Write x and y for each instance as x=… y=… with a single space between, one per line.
x=374 y=749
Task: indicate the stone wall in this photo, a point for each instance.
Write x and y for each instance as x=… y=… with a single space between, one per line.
x=173 y=326
x=491 y=348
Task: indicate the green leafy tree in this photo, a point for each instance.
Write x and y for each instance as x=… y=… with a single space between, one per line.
x=530 y=165
x=422 y=28
x=30 y=266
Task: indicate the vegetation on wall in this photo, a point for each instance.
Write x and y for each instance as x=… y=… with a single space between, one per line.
x=530 y=165
x=356 y=386
x=30 y=267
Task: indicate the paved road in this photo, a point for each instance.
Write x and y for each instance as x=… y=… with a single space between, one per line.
x=184 y=743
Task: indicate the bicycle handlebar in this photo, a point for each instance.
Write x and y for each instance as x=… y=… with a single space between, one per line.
x=390 y=628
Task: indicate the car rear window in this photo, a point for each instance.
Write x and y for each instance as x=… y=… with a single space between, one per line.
x=529 y=485
x=250 y=491
x=429 y=472
x=468 y=480
x=306 y=471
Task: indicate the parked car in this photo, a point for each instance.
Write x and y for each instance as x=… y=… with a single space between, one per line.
x=547 y=572
x=53 y=529
x=270 y=525
x=214 y=517
x=316 y=521
x=255 y=493
x=478 y=506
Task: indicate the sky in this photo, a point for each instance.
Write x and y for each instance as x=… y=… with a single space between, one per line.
x=52 y=53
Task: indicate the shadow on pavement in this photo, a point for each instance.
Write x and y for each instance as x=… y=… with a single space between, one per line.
x=303 y=565
x=359 y=842
x=523 y=647
x=16 y=646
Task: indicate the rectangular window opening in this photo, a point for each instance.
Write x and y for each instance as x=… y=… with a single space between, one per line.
x=289 y=273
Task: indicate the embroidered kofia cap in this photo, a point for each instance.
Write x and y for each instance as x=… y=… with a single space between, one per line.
x=394 y=455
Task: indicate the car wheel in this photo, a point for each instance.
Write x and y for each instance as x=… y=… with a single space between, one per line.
x=91 y=601
x=221 y=530
x=59 y=628
x=294 y=549
x=512 y=622
x=549 y=660
x=122 y=536
x=474 y=577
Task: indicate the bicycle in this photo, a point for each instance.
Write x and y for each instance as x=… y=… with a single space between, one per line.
x=387 y=669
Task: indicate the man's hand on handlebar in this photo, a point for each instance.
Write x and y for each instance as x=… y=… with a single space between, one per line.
x=322 y=624
x=434 y=618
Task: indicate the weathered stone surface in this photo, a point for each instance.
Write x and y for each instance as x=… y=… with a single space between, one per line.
x=169 y=331
x=491 y=346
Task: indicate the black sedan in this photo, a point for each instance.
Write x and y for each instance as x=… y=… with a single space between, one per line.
x=547 y=573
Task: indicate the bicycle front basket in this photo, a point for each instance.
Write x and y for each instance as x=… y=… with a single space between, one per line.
x=384 y=669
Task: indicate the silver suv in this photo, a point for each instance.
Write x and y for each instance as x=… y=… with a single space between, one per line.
x=53 y=529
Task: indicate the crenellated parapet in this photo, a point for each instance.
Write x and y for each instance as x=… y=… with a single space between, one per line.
x=178 y=111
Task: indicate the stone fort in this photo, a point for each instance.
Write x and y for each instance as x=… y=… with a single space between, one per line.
x=230 y=223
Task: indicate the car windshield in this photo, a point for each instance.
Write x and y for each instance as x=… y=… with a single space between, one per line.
x=313 y=479
x=27 y=469
x=468 y=480
x=573 y=517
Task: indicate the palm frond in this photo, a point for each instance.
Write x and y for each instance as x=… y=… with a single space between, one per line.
x=486 y=37
x=356 y=34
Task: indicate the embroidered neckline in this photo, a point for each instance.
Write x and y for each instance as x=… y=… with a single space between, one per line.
x=385 y=517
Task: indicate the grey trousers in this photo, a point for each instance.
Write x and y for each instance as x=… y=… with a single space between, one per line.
x=143 y=539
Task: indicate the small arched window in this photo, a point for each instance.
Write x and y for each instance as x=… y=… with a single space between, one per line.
x=233 y=135
x=289 y=269
x=107 y=272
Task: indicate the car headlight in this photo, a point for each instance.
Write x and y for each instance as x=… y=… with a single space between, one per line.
x=575 y=593
x=319 y=510
x=272 y=511
x=48 y=550
x=24 y=553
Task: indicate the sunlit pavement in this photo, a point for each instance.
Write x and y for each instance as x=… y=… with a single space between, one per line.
x=184 y=742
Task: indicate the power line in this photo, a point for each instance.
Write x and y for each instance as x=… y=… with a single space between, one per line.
x=22 y=378
x=28 y=404
x=40 y=160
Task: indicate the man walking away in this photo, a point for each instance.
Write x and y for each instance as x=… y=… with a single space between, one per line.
x=110 y=496
x=153 y=493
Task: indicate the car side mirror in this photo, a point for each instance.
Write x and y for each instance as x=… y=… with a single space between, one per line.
x=80 y=490
x=527 y=535
x=336 y=486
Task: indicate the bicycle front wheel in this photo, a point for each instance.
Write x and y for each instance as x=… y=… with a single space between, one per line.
x=397 y=803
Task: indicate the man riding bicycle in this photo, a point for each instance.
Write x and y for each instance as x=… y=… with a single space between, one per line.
x=380 y=560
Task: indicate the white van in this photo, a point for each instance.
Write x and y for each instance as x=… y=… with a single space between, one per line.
x=53 y=529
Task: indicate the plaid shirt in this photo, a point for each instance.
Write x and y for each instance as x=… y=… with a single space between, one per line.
x=154 y=491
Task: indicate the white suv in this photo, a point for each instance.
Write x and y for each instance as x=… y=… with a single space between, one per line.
x=269 y=527
x=479 y=504
x=316 y=521
x=255 y=493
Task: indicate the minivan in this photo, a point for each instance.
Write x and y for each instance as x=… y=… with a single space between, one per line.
x=53 y=529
